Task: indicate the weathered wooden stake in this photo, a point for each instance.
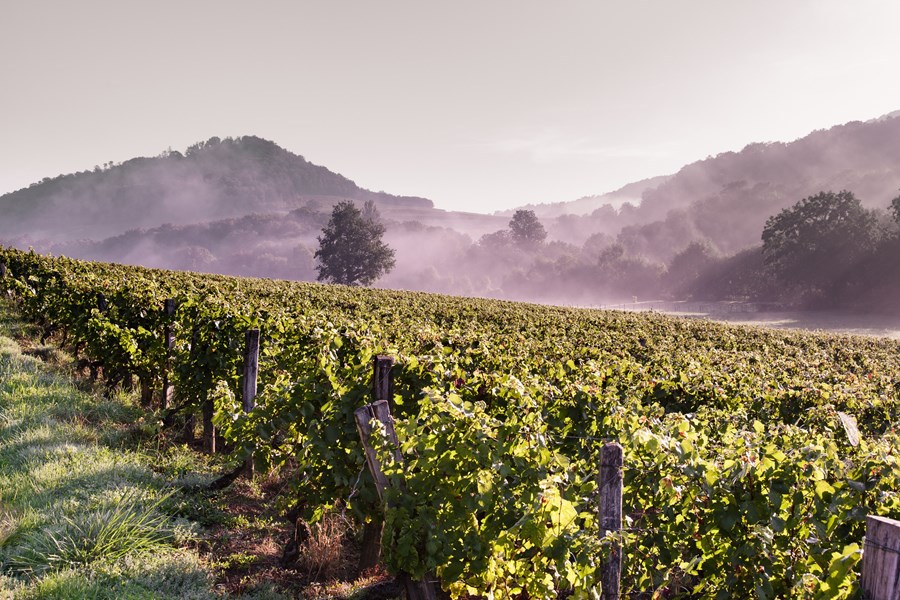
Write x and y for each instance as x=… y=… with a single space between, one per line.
x=370 y=548
x=364 y=416
x=209 y=430
x=146 y=387
x=168 y=391
x=2 y=270
x=382 y=381
x=382 y=389
x=146 y=392
x=415 y=589
x=102 y=304
x=611 y=461
x=248 y=388
x=881 y=559
x=206 y=403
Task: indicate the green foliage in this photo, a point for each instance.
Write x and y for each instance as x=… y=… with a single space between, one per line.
x=814 y=244
x=488 y=504
x=127 y=526
x=740 y=478
x=686 y=267
x=895 y=209
x=79 y=519
x=525 y=229
x=350 y=248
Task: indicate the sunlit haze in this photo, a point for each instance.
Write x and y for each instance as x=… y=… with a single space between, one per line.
x=478 y=106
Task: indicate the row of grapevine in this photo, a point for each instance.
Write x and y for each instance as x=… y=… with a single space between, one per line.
x=741 y=479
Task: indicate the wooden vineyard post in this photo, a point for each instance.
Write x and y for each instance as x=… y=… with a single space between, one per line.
x=248 y=385
x=209 y=430
x=169 y=343
x=881 y=559
x=190 y=421
x=206 y=403
x=380 y=411
x=382 y=389
x=611 y=461
x=146 y=392
x=3 y=270
x=382 y=381
x=364 y=416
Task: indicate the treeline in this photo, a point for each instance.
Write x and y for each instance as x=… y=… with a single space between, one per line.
x=825 y=251
x=230 y=177
x=692 y=235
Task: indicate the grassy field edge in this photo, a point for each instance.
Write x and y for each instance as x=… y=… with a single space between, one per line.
x=86 y=510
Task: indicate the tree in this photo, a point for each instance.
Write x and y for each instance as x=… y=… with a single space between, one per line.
x=814 y=244
x=525 y=229
x=194 y=258
x=350 y=248
x=622 y=276
x=495 y=241
x=686 y=266
x=895 y=209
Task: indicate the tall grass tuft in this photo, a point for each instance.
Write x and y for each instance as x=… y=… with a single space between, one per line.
x=7 y=526
x=128 y=526
x=322 y=555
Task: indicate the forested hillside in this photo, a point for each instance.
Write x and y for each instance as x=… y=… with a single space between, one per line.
x=211 y=180
x=724 y=200
x=248 y=207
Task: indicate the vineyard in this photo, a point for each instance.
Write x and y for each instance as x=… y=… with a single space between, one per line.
x=752 y=456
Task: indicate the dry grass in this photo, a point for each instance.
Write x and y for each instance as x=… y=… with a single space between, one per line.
x=7 y=526
x=322 y=555
x=376 y=585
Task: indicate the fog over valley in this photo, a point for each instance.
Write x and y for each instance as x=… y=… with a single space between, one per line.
x=246 y=206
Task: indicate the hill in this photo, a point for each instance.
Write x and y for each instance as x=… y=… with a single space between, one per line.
x=630 y=193
x=725 y=200
x=246 y=206
x=212 y=180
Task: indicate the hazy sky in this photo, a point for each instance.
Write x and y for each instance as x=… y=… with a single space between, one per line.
x=478 y=105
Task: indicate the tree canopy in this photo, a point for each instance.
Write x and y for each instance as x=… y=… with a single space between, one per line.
x=895 y=209
x=687 y=266
x=351 y=251
x=525 y=228
x=814 y=243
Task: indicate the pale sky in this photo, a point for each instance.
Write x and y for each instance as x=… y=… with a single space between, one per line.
x=478 y=105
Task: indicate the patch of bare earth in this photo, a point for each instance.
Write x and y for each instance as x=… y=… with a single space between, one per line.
x=252 y=547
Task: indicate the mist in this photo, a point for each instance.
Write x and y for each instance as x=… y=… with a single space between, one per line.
x=247 y=207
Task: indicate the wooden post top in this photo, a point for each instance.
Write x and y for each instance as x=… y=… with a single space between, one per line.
x=883 y=520
x=881 y=559
x=382 y=381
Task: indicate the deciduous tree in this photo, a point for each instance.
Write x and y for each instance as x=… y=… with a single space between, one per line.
x=814 y=244
x=351 y=251
x=525 y=229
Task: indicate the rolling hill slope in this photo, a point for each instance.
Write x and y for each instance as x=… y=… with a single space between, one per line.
x=211 y=180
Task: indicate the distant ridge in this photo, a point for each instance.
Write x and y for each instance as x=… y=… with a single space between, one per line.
x=249 y=189
x=630 y=193
x=724 y=169
x=890 y=115
x=214 y=179
x=725 y=199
